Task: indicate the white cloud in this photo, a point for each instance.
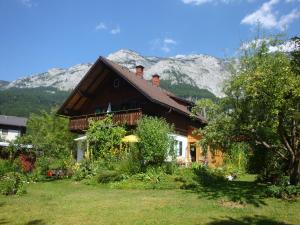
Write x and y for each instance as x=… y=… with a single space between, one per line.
x=291 y=1
x=116 y=30
x=111 y=29
x=166 y=44
x=196 y=2
x=170 y=41
x=28 y=3
x=285 y=20
x=165 y=48
x=201 y=2
x=267 y=18
x=264 y=15
x=100 y=26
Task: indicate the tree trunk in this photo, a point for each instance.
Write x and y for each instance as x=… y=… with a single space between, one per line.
x=295 y=172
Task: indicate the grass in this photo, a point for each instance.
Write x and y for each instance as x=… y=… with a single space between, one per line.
x=70 y=202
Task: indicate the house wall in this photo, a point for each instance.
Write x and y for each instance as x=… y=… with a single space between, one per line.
x=121 y=97
x=184 y=142
x=12 y=133
x=213 y=158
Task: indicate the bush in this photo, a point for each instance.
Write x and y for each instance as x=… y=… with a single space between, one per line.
x=236 y=158
x=42 y=165
x=155 y=144
x=27 y=162
x=208 y=176
x=85 y=169
x=12 y=183
x=285 y=192
x=187 y=178
x=170 y=167
x=5 y=167
x=105 y=139
x=107 y=176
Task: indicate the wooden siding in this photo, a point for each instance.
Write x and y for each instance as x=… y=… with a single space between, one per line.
x=213 y=157
x=129 y=117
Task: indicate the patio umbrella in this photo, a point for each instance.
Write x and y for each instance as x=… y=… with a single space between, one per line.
x=130 y=138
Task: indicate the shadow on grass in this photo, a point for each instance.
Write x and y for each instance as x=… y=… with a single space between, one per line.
x=215 y=187
x=256 y=220
x=35 y=222
x=4 y=221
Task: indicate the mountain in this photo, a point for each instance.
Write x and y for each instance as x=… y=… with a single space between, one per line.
x=197 y=70
x=24 y=101
x=3 y=83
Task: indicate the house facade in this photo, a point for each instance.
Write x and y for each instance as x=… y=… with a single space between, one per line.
x=110 y=88
x=11 y=127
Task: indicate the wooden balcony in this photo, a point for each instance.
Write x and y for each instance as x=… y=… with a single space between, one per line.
x=124 y=117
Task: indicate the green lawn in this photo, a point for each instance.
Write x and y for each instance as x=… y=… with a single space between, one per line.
x=69 y=202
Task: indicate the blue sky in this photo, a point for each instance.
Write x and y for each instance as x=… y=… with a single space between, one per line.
x=40 y=34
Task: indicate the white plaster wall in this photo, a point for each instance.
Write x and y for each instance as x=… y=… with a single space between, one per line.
x=81 y=147
x=11 y=135
x=184 y=141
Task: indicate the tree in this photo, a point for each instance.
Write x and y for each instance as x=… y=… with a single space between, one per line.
x=49 y=135
x=261 y=108
x=265 y=97
x=217 y=133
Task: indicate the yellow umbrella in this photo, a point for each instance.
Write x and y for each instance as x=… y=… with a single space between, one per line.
x=130 y=138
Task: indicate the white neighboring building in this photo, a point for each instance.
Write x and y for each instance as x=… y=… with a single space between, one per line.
x=11 y=127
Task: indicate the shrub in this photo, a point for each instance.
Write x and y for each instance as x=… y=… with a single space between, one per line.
x=283 y=189
x=5 y=167
x=27 y=162
x=155 y=143
x=170 y=167
x=286 y=191
x=42 y=165
x=85 y=169
x=105 y=138
x=208 y=176
x=236 y=159
x=107 y=176
x=12 y=183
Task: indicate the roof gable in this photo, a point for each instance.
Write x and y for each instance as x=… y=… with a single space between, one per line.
x=97 y=72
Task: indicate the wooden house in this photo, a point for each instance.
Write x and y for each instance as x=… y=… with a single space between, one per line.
x=110 y=88
x=12 y=127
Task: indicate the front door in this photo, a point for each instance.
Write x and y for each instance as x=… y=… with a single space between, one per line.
x=193 y=152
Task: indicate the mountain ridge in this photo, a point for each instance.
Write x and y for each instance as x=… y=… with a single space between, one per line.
x=203 y=71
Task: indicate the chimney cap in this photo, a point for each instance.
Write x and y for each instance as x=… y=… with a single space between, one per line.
x=140 y=66
x=156 y=75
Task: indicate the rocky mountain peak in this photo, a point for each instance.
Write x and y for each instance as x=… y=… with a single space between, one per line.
x=204 y=71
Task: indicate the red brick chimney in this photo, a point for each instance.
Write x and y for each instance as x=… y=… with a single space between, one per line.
x=155 y=80
x=139 y=71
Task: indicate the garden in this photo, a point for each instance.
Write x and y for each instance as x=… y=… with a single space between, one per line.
x=141 y=183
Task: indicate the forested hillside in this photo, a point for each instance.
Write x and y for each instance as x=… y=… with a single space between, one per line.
x=186 y=91
x=23 y=101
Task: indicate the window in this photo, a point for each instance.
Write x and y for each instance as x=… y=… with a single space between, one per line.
x=180 y=148
x=116 y=83
x=4 y=132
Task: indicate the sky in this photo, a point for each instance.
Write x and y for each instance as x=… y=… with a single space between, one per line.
x=36 y=35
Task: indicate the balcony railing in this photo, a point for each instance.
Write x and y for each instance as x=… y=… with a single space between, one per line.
x=128 y=117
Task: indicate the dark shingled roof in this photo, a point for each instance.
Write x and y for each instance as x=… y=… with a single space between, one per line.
x=153 y=93
x=13 y=121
